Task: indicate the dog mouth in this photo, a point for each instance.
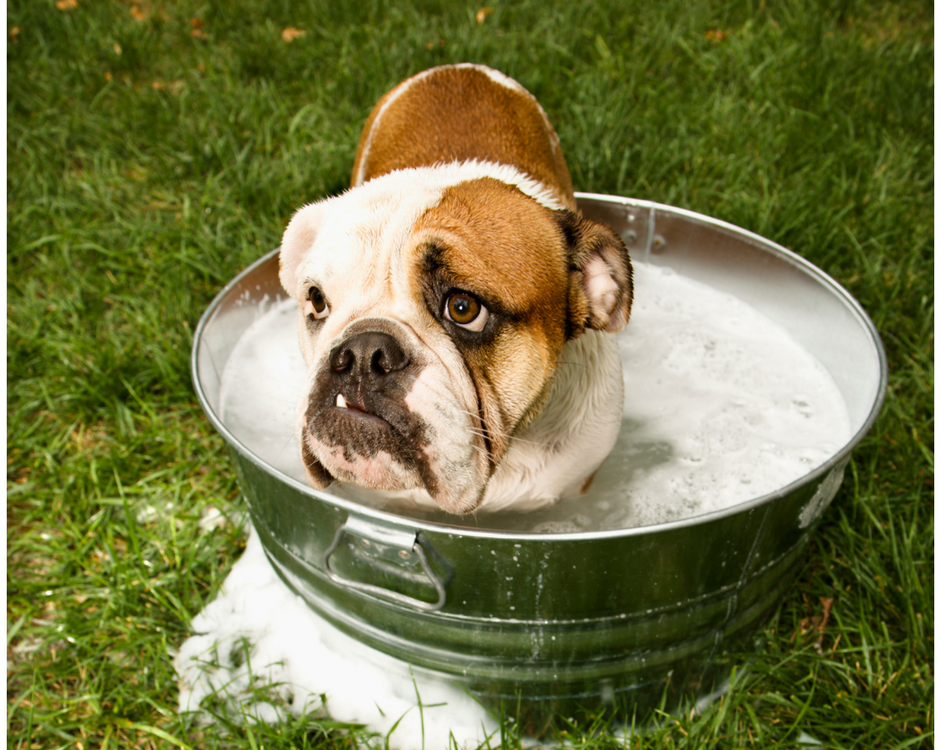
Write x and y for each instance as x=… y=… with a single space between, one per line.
x=388 y=429
x=354 y=407
x=361 y=425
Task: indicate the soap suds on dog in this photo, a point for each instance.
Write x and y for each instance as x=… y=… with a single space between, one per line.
x=722 y=406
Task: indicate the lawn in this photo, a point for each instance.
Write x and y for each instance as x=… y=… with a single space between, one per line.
x=155 y=149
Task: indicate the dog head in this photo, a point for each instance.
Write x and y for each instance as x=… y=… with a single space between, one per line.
x=434 y=304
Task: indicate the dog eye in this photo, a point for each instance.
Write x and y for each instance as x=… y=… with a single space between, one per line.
x=315 y=304
x=466 y=311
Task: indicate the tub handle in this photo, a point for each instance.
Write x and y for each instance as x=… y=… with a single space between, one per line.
x=391 y=545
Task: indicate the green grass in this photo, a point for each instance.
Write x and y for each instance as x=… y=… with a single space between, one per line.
x=155 y=149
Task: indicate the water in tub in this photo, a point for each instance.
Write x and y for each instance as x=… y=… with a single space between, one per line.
x=722 y=406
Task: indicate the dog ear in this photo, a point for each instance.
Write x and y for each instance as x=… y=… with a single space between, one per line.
x=600 y=276
x=296 y=243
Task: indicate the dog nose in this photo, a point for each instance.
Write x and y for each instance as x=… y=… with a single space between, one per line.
x=369 y=353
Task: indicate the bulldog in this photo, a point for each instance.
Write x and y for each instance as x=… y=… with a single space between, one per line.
x=456 y=311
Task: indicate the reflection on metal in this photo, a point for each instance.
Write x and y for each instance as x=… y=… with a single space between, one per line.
x=390 y=545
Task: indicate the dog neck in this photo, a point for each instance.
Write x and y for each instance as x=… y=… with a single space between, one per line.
x=546 y=459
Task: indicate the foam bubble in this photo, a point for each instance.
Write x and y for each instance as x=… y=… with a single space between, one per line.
x=260 y=387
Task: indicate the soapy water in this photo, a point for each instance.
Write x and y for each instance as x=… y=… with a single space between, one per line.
x=722 y=405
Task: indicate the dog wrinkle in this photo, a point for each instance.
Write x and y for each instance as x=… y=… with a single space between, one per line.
x=382 y=473
x=508 y=253
x=525 y=277
x=453 y=465
x=318 y=476
x=583 y=409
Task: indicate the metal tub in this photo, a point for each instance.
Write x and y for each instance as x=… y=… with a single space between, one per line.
x=546 y=624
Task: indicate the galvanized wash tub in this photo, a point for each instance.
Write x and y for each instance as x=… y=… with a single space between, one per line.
x=546 y=624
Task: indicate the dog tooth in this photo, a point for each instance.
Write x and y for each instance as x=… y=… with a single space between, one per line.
x=340 y=401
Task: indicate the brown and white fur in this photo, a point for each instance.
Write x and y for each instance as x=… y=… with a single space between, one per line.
x=456 y=310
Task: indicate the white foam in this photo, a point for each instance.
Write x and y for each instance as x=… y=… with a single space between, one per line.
x=722 y=406
x=261 y=383
x=257 y=633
